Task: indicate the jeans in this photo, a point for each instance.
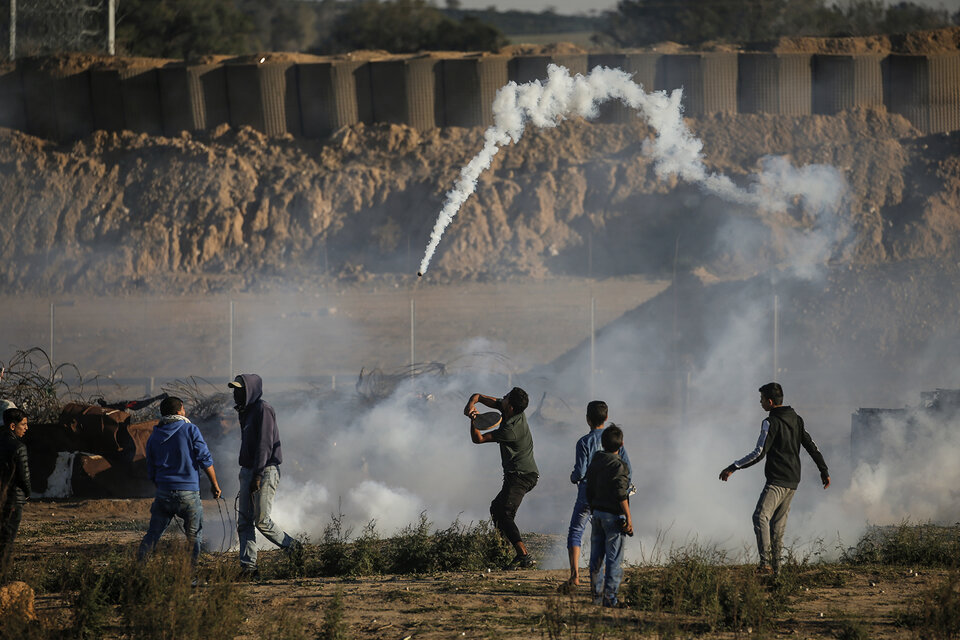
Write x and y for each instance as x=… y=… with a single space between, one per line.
x=770 y=522
x=606 y=557
x=169 y=503
x=504 y=507
x=578 y=522
x=10 y=515
x=253 y=510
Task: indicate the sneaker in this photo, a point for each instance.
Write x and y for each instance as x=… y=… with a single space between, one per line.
x=248 y=572
x=294 y=549
x=523 y=561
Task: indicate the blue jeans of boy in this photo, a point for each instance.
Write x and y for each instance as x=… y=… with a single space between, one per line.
x=169 y=503
x=606 y=557
x=253 y=513
x=578 y=522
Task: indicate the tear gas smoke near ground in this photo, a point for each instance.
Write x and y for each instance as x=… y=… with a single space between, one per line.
x=674 y=149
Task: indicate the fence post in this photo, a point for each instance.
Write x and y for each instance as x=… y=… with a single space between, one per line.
x=232 y=313
x=593 y=340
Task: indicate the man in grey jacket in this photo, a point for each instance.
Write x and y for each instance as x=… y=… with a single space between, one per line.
x=781 y=436
x=14 y=478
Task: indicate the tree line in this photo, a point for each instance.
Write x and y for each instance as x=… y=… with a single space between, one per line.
x=191 y=28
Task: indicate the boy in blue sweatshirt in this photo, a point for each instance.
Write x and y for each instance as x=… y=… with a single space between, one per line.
x=175 y=454
x=587 y=447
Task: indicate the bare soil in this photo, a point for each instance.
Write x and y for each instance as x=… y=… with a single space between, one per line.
x=490 y=604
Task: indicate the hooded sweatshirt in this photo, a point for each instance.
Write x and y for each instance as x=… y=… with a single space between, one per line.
x=175 y=454
x=781 y=436
x=259 y=436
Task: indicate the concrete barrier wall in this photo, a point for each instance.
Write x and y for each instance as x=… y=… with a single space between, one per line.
x=846 y=82
x=775 y=83
x=316 y=99
x=925 y=90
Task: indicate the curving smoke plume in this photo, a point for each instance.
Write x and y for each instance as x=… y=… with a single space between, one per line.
x=674 y=149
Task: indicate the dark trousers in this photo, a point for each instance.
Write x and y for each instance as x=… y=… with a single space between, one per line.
x=10 y=515
x=504 y=507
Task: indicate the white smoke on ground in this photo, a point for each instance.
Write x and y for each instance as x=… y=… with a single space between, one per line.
x=818 y=189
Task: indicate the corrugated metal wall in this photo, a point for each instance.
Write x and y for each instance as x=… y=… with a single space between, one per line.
x=57 y=107
x=407 y=92
x=709 y=81
x=523 y=69
x=777 y=83
x=265 y=97
x=469 y=86
x=925 y=90
x=846 y=81
x=641 y=66
x=333 y=95
x=315 y=99
x=12 y=113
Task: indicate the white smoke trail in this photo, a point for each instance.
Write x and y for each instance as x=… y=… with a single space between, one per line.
x=674 y=149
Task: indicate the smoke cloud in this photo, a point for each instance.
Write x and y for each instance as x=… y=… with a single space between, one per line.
x=818 y=189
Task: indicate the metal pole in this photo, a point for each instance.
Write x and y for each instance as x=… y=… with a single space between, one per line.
x=590 y=255
x=111 y=27
x=232 y=321
x=52 y=312
x=413 y=310
x=776 y=334
x=593 y=340
x=13 y=30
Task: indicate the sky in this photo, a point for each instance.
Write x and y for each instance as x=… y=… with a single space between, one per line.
x=582 y=6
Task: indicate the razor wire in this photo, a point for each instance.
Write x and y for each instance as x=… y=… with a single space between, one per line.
x=32 y=382
x=57 y=26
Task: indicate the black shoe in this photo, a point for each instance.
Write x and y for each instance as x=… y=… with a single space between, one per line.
x=248 y=573
x=295 y=548
x=523 y=561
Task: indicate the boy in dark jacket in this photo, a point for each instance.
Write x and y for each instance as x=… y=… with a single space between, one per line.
x=608 y=483
x=176 y=452
x=781 y=436
x=587 y=448
x=14 y=478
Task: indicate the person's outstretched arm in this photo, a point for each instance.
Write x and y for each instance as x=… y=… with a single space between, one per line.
x=214 y=486
x=754 y=456
x=814 y=452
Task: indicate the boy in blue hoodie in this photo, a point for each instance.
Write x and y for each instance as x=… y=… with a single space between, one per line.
x=175 y=454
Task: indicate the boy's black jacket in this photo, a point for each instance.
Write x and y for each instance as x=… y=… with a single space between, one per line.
x=607 y=482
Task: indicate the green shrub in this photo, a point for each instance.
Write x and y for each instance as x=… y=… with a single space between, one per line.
x=907 y=544
x=852 y=629
x=334 y=627
x=936 y=615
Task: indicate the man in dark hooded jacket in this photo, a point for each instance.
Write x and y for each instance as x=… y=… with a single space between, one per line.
x=260 y=459
x=176 y=452
x=781 y=436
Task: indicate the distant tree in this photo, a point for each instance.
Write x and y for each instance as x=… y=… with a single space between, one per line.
x=182 y=28
x=643 y=22
x=408 y=26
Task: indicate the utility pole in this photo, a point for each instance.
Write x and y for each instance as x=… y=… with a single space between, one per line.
x=111 y=27
x=13 y=30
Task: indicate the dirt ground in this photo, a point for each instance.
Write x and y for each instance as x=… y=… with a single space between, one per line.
x=488 y=604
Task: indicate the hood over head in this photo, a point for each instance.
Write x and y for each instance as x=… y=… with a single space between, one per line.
x=252 y=387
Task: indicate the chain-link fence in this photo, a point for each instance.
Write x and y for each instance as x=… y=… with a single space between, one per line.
x=53 y=26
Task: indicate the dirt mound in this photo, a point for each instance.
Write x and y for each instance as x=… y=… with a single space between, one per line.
x=932 y=42
x=229 y=209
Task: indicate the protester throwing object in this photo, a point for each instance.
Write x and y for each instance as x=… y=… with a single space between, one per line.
x=781 y=436
x=520 y=473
